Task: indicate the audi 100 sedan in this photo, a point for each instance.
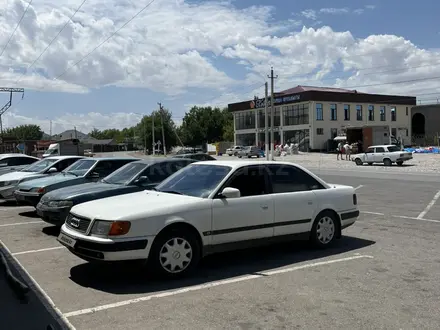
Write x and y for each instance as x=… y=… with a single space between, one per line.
x=209 y=207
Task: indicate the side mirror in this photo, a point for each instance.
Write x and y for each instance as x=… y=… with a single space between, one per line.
x=94 y=175
x=230 y=192
x=141 y=179
x=52 y=170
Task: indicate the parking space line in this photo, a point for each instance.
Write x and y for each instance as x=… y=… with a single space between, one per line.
x=20 y=223
x=373 y=213
x=359 y=187
x=210 y=285
x=428 y=207
x=414 y=218
x=39 y=250
x=38 y=290
x=14 y=208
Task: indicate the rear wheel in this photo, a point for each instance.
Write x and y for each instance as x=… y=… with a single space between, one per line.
x=387 y=162
x=324 y=230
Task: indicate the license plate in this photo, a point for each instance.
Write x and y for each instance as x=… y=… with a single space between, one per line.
x=67 y=240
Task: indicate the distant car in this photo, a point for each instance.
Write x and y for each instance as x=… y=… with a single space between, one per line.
x=249 y=152
x=209 y=207
x=15 y=162
x=189 y=151
x=385 y=154
x=234 y=150
x=47 y=166
x=82 y=171
x=197 y=156
x=139 y=175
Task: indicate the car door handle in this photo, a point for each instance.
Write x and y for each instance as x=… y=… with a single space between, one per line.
x=310 y=202
x=264 y=207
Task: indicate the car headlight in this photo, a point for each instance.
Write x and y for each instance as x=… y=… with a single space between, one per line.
x=60 y=203
x=40 y=190
x=110 y=228
x=11 y=183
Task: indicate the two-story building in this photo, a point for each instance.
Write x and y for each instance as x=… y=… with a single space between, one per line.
x=311 y=116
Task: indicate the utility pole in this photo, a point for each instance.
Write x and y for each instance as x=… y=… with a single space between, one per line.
x=153 y=135
x=163 y=131
x=50 y=129
x=8 y=105
x=266 y=122
x=272 y=112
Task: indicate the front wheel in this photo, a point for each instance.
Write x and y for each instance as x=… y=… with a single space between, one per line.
x=324 y=229
x=358 y=162
x=174 y=253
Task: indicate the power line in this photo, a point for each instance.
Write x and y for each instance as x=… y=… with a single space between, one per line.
x=50 y=43
x=16 y=27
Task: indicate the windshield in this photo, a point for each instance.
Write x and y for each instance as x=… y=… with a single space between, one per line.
x=393 y=149
x=195 y=180
x=125 y=174
x=51 y=151
x=80 y=168
x=40 y=165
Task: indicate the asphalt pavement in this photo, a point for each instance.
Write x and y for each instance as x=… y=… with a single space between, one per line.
x=383 y=274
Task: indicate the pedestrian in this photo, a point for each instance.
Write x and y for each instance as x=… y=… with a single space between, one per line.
x=339 y=151
x=347 y=149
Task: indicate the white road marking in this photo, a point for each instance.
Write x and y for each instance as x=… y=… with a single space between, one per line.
x=413 y=218
x=38 y=290
x=428 y=207
x=36 y=251
x=14 y=208
x=209 y=285
x=20 y=223
x=374 y=213
x=359 y=187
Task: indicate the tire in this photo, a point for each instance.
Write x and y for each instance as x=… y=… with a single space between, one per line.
x=236 y=154
x=400 y=163
x=239 y=156
x=359 y=162
x=230 y=155
x=320 y=236
x=370 y=164
x=188 y=246
x=387 y=162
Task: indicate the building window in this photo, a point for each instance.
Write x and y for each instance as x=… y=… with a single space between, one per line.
x=346 y=111
x=406 y=132
x=297 y=114
x=371 y=113
x=394 y=132
x=383 y=116
x=407 y=111
x=359 y=112
x=320 y=131
x=319 y=113
x=393 y=114
x=333 y=112
x=333 y=133
x=245 y=120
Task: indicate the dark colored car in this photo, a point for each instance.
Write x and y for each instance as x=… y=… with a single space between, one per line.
x=82 y=171
x=198 y=156
x=140 y=175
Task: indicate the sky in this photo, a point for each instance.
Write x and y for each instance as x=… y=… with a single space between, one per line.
x=109 y=62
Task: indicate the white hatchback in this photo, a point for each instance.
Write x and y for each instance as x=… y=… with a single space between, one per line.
x=210 y=207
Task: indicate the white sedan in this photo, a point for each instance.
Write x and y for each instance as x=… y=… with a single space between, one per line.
x=209 y=207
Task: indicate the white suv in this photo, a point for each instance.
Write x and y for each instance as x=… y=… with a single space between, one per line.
x=234 y=150
x=386 y=154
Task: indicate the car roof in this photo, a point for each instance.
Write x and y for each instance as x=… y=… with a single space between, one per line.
x=241 y=163
x=162 y=160
x=2 y=156
x=63 y=157
x=382 y=145
x=112 y=158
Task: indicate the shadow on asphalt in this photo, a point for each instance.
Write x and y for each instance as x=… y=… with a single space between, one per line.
x=129 y=279
x=8 y=203
x=394 y=165
x=29 y=214
x=51 y=231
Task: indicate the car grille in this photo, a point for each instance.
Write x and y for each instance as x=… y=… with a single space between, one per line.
x=77 y=223
x=2 y=183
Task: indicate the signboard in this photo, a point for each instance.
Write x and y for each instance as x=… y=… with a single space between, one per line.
x=259 y=103
x=20 y=146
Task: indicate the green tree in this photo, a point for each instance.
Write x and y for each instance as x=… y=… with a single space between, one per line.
x=25 y=132
x=228 y=125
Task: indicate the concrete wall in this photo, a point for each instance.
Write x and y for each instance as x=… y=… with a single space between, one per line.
x=431 y=115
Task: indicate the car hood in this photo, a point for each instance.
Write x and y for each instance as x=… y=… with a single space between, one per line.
x=14 y=176
x=80 y=189
x=48 y=180
x=135 y=205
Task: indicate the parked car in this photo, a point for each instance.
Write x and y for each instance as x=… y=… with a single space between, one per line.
x=47 y=166
x=15 y=162
x=250 y=152
x=234 y=150
x=82 y=171
x=384 y=154
x=139 y=175
x=208 y=207
x=187 y=150
x=197 y=156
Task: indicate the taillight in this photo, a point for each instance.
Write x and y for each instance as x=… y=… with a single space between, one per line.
x=355 y=199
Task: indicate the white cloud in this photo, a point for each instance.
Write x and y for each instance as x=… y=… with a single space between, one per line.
x=334 y=10
x=309 y=13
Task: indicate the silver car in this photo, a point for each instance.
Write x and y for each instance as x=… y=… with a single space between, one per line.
x=249 y=152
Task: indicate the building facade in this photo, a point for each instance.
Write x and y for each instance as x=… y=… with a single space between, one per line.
x=311 y=116
x=425 y=124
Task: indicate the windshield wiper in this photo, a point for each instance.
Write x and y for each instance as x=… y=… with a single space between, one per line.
x=171 y=192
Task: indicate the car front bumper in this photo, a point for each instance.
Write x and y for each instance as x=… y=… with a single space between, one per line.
x=7 y=193
x=27 y=198
x=95 y=249
x=53 y=215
